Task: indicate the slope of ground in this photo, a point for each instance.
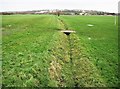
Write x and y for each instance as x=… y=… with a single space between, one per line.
x=99 y=36
x=76 y=71
x=36 y=53
x=26 y=39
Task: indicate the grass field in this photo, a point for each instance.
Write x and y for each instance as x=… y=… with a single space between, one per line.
x=35 y=52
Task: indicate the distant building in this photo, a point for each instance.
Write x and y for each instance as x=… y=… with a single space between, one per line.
x=81 y=13
x=72 y=13
x=41 y=12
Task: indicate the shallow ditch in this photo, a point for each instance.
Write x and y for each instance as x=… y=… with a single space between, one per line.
x=63 y=23
x=73 y=67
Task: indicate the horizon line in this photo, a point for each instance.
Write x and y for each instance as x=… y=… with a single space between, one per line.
x=55 y=9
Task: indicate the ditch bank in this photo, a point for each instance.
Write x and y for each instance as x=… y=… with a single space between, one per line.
x=70 y=65
x=78 y=73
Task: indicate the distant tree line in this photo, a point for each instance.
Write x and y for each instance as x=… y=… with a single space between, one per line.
x=60 y=12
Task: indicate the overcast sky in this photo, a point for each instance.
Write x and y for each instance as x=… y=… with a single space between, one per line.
x=22 y=5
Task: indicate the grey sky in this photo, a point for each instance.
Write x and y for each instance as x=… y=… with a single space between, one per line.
x=22 y=5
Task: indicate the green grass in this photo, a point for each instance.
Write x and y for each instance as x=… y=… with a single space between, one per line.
x=103 y=46
x=36 y=53
x=25 y=46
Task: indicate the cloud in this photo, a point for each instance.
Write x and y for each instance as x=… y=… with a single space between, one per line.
x=17 y=5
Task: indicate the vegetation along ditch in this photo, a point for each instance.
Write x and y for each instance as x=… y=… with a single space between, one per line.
x=35 y=53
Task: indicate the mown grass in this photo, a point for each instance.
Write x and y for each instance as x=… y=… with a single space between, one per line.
x=78 y=72
x=26 y=40
x=35 y=52
x=103 y=45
